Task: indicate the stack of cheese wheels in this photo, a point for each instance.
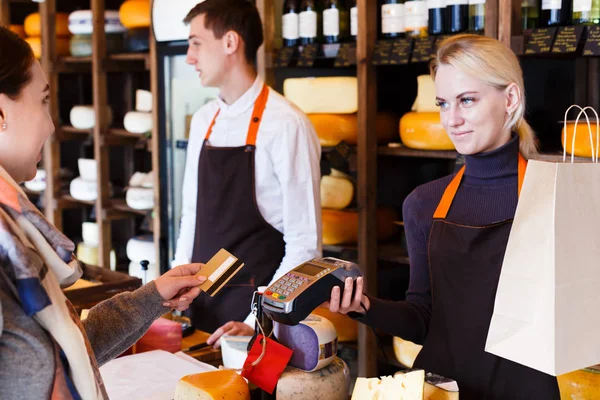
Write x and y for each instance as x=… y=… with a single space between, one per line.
x=331 y=104
x=81 y=26
x=422 y=129
x=87 y=251
x=215 y=385
x=140 y=195
x=33 y=29
x=140 y=121
x=583 y=145
x=135 y=17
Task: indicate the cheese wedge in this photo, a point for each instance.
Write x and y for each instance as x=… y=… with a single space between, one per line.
x=402 y=386
x=330 y=95
x=425 y=101
x=214 y=385
x=406 y=351
x=424 y=131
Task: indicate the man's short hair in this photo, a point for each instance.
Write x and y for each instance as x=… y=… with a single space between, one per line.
x=240 y=16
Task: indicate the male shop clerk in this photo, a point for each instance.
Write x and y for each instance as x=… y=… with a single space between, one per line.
x=251 y=182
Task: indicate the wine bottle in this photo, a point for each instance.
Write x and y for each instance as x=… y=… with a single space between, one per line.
x=392 y=19
x=554 y=13
x=335 y=21
x=353 y=20
x=530 y=13
x=415 y=18
x=309 y=22
x=290 y=23
x=457 y=16
x=476 y=15
x=436 y=24
x=586 y=12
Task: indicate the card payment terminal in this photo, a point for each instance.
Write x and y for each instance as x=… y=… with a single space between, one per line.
x=296 y=294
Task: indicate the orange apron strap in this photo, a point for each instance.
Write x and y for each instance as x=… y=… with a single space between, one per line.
x=212 y=124
x=259 y=109
x=444 y=206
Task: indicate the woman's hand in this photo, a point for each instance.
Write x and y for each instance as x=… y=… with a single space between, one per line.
x=179 y=286
x=348 y=303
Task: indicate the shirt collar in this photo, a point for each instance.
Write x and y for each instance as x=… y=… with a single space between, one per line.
x=245 y=102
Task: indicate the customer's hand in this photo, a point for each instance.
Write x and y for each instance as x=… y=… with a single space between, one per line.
x=179 y=286
x=232 y=328
x=348 y=303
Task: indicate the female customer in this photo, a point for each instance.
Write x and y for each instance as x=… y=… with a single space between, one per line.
x=45 y=351
x=457 y=228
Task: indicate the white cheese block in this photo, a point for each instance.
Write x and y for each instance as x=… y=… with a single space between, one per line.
x=89 y=232
x=89 y=255
x=135 y=269
x=329 y=383
x=38 y=183
x=80 y=22
x=439 y=388
x=141 y=248
x=84 y=190
x=88 y=169
x=330 y=95
x=143 y=101
x=215 y=385
x=425 y=100
x=140 y=198
x=313 y=341
x=84 y=117
x=402 y=386
x=234 y=350
x=138 y=122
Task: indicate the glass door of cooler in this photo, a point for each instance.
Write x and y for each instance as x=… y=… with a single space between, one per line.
x=182 y=95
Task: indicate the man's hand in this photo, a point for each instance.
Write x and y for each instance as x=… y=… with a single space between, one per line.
x=179 y=286
x=232 y=328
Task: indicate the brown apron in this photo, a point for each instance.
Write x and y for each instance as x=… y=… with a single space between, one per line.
x=464 y=266
x=227 y=216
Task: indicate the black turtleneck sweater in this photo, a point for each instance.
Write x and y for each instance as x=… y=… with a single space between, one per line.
x=487 y=194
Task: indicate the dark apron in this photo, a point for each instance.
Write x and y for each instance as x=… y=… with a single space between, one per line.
x=227 y=216
x=464 y=266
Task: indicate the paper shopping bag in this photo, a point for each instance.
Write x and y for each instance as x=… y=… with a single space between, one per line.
x=547 y=308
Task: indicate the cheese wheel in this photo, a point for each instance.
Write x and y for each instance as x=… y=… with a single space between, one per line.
x=346 y=327
x=140 y=198
x=583 y=146
x=330 y=95
x=18 y=29
x=89 y=255
x=336 y=192
x=135 y=269
x=313 y=341
x=38 y=183
x=425 y=100
x=89 y=232
x=62 y=46
x=84 y=117
x=406 y=351
x=215 y=385
x=143 y=101
x=329 y=383
x=341 y=227
x=424 y=131
x=135 y=14
x=138 y=122
x=580 y=384
x=141 y=248
x=335 y=128
x=33 y=25
x=88 y=169
x=403 y=385
x=80 y=22
x=83 y=190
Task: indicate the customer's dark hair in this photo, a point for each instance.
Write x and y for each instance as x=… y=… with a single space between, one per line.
x=16 y=59
x=240 y=16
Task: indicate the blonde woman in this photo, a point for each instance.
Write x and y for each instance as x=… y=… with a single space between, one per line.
x=45 y=351
x=457 y=228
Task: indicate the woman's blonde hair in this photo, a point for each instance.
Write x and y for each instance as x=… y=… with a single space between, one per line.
x=495 y=64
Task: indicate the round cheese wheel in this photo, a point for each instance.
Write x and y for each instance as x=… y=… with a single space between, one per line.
x=406 y=351
x=214 y=385
x=135 y=14
x=335 y=128
x=336 y=192
x=18 y=29
x=580 y=384
x=80 y=22
x=135 y=269
x=62 y=46
x=329 y=383
x=89 y=232
x=88 y=169
x=341 y=227
x=140 y=198
x=83 y=190
x=33 y=25
x=84 y=117
x=89 y=255
x=346 y=327
x=138 y=122
x=424 y=131
x=330 y=95
x=583 y=147
x=38 y=183
x=141 y=248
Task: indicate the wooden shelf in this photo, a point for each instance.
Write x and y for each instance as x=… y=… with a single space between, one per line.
x=119 y=62
x=67 y=132
x=121 y=137
x=121 y=205
x=402 y=151
x=68 y=201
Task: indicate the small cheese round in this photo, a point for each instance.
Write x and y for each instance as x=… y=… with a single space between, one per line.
x=84 y=117
x=583 y=146
x=62 y=46
x=80 y=22
x=89 y=232
x=336 y=192
x=138 y=122
x=215 y=385
x=335 y=128
x=135 y=14
x=341 y=227
x=141 y=248
x=329 y=383
x=140 y=198
x=89 y=255
x=424 y=131
x=38 y=183
x=18 y=29
x=83 y=190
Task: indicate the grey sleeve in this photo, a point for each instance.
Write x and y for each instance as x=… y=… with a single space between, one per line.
x=117 y=323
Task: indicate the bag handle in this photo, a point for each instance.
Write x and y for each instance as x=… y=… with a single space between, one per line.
x=594 y=153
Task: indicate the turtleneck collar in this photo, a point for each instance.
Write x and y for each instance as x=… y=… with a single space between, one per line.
x=496 y=167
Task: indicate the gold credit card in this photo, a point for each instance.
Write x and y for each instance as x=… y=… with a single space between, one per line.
x=218 y=271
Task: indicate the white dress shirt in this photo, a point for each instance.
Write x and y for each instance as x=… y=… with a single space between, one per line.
x=287 y=170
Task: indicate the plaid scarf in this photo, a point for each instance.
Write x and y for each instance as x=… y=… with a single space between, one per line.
x=37 y=261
